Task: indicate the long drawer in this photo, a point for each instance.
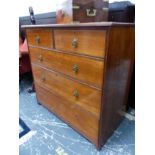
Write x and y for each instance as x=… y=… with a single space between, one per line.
x=40 y=37
x=77 y=93
x=82 y=68
x=80 y=119
x=81 y=41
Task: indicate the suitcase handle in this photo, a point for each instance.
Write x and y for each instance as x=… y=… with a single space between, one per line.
x=91 y=12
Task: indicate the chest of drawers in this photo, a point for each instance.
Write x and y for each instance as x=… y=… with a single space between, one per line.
x=82 y=73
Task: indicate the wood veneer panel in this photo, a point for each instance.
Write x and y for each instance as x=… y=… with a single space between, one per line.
x=87 y=97
x=78 y=118
x=89 y=70
x=89 y=42
x=118 y=69
x=42 y=37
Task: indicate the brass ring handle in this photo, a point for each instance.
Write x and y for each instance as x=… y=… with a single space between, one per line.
x=40 y=58
x=75 y=93
x=74 y=43
x=37 y=39
x=43 y=78
x=75 y=68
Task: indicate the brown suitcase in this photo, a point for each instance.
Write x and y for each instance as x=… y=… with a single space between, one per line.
x=82 y=11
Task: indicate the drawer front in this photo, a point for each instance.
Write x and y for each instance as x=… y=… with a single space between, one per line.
x=82 y=95
x=40 y=37
x=78 y=118
x=89 y=42
x=85 y=69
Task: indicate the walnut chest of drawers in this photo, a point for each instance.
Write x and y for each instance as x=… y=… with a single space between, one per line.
x=82 y=73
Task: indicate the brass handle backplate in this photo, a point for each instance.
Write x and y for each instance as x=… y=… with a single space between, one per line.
x=75 y=68
x=74 y=43
x=75 y=93
x=37 y=39
x=40 y=58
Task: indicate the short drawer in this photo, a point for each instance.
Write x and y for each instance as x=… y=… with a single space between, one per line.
x=77 y=93
x=85 y=69
x=80 y=119
x=40 y=37
x=89 y=42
